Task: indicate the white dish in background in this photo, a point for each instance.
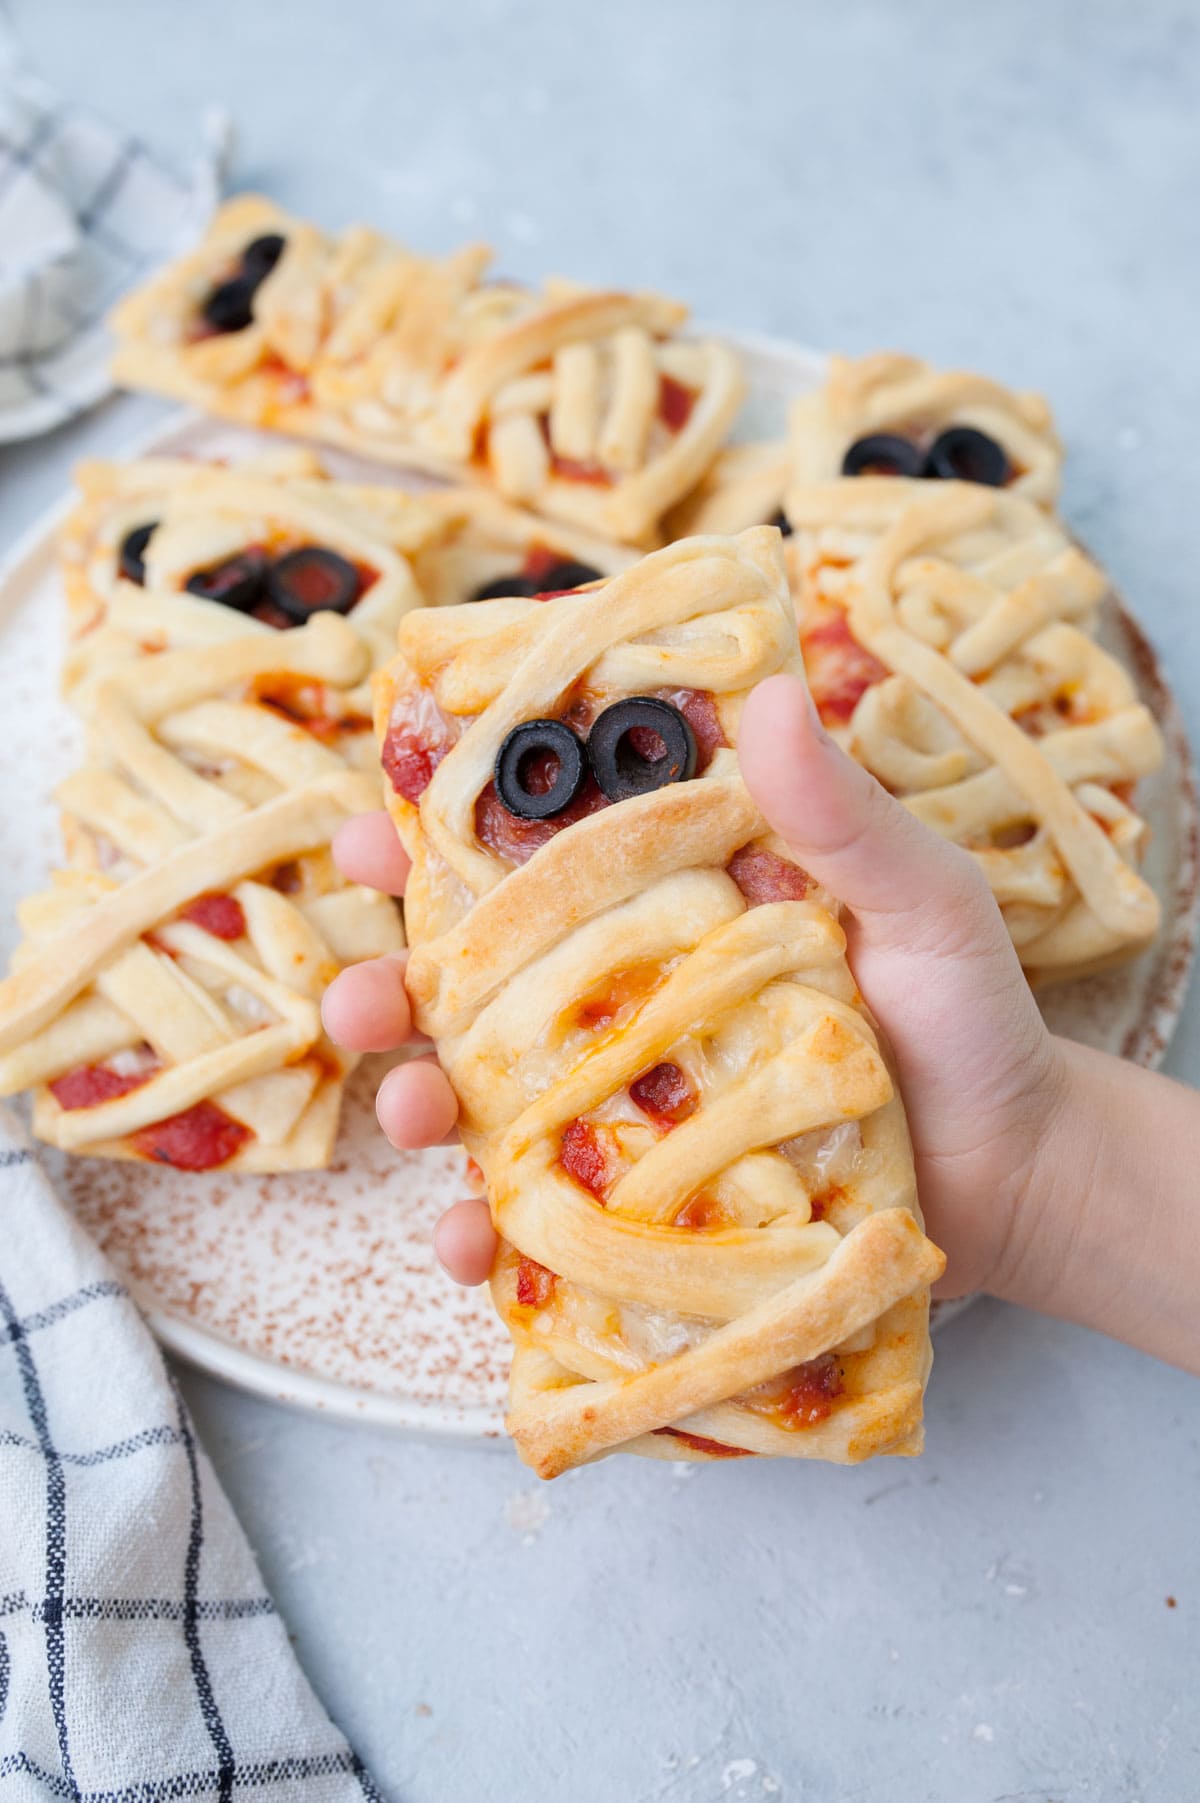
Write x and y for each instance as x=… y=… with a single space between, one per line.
x=319 y=1289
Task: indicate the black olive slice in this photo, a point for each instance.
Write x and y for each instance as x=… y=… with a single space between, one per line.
x=557 y=578
x=261 y=255
x=883 y=454
x=230 y=306
x=781 y=520
x=964 y=454
x=504 y=588
x=312 y=580
x=539 y=769
x=131 y=558
x=239 y=582
x=563 y=576
x=622 y=747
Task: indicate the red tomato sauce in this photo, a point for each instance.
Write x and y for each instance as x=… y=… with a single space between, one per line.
x=840 y=670
x=220 y=915
x=764 y=877
x=199 y=1139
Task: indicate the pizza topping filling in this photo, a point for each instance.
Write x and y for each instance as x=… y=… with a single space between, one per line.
x=959 y=454
x=839 y=669
x=90 y=1084
x=675 y=403
x=535 y=1284
x=665 y=1094
x=716 y=1449
x=131 y=558
x=763 y=876
x=543 y=576
x=198 y=1139
x=229 y=307
x=584 y=1156
x=221 y=915
x=540 y=769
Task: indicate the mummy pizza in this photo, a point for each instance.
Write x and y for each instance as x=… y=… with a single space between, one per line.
x=164 y=1003
x=946 y=634
x=488 y=548
x=170 y=552
x=587 y=405
x=694 y=1153
x=892 y=415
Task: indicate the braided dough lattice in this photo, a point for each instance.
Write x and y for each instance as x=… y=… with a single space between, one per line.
x=888 y=392
x=165 y=1000
x=205 y=515
x=752 y=1279
x=946 y=633
x=587 y=405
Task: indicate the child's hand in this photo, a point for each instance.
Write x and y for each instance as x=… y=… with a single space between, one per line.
x=1050 y=1174
x=977 y=1067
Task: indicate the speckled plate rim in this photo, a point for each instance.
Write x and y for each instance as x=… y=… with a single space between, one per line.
x=255 y=1374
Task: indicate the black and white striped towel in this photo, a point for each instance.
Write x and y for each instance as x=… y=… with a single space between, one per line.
x=140 y=1659
x=84 y=210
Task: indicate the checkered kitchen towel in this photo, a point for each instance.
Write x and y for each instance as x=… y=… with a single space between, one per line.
x=84 y=210
x=140 y=1658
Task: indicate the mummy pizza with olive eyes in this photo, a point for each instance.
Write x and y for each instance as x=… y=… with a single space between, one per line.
x=589 y=406
x=167 y=552
x=694 y=1154
x=164 y=1003
x=892 y=415
x=947 y=637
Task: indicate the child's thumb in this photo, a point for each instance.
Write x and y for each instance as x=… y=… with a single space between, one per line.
x=909 y=889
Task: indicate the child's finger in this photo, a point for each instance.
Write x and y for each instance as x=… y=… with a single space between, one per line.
x=366 y=1008
x=465 y=1241
x=906 y=886
x=366 y=850
x=416 y=1105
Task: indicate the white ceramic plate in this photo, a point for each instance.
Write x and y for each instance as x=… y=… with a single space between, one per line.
x=319 y=1289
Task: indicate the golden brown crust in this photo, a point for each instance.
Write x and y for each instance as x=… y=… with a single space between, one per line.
x=625 y=1322
x=180 y=960
x=589 y=406
x=992 y=711
x=889 y=392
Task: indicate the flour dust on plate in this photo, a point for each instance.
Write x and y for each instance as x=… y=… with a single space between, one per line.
x=319 y=1289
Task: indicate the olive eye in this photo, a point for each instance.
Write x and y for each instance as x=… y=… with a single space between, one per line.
x=540 y=769
x=964 y=454
x=238 y=582
x=312 y=580
x=883 y=454
x=131 y=558
x=556 y=579
x=639 y=745
x=229 y=307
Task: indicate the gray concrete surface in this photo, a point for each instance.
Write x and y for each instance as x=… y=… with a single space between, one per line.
x=1014 y=187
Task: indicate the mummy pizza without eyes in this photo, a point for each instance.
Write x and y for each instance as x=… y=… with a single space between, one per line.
x=693 y=1150
x=945 y=634
x=586 y=405
x=169 y=552
x=892 y=415
x=164 y=1003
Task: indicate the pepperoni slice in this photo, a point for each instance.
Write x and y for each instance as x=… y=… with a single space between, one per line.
x=91 y=1084
x=665 y=1094
x=535 y=1284
x=763 y=877
x=418 y=738
x=199 y=1139
x=220 y=915
x=812 y=1390
x=716 y=1449
x=840 y=670
x=517 y=840
x=699 y=709
x=675 y=403
x=582 y=1157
